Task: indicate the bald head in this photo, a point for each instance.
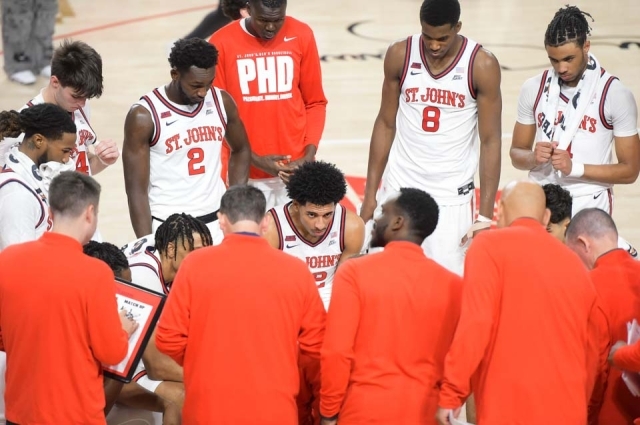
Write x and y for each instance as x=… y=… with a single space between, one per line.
x=522 y=199
x=593 y=223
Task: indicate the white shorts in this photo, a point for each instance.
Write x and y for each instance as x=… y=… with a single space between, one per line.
x=274 y=190
x=602 y=200
x=123 y=415
x=443 y=246
x=214 y=228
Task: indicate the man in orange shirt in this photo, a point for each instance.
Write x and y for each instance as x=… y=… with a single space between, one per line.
x=523 y=343
x=381 y=361
x=236 y=318
x=269 y=64
x=592 y=234
x=58 y=332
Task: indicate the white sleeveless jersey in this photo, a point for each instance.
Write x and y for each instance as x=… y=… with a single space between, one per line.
x=322 y=257
x=435 y=145
x=85 y=134
x=185 y=164
x=139 y=245
x=592 y=144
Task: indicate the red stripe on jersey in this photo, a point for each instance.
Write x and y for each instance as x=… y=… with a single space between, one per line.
x=603 y=119
x=42 y=209
x=218 y=107
x=545 y=74
x=407 y=56
x=610 y=195
x=139 y=375
x=278 y=228
x=343 y=222
x=156 y=120
x=299 y=235
x=168 y=104
x=472 y=89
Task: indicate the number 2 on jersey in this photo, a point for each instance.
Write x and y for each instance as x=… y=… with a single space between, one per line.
x=431 y=119
x=196 y=156
x=320 y=277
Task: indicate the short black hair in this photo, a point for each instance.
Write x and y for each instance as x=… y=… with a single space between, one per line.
x=71 y=192
x=47 y=119
x=109 y=253
x=569 y=24
x=318 y=183
x=243 y=202
x=271 y=4
x=196 y=52
x=436 y=13
x=10 y=124
x=77 y=65
x=231 y=8
x=559 y=202
x=592 y=222
x=420 y=209
x=179 y=228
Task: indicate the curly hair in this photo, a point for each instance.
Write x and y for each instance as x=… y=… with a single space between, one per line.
x=231 y=8
x=559 y=202
x=568 y=24
x=318 y=183
x=193 y=52
x=271 y=4
x=179 y=229
x=421 y=210
x=10 y=124
x=46 y=119
x=109 y=253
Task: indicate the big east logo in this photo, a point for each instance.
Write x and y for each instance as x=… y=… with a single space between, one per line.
x=266 y=77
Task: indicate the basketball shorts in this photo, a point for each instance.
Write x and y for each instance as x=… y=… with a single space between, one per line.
x=274 y=190
x=454 y=221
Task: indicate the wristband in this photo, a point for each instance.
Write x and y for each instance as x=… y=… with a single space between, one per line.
x=577 y=170
x=483 y=219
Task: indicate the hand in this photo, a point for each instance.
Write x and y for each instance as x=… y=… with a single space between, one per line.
x=129 y=325
x=107 y=151
x=561 y=161
x=442 y=416
x=328 y=422
x=477 y=227
x=615 y=348
x=172 y=414
x=368 y=207
x=542 y=152
x=273 y=164
x=298 y=162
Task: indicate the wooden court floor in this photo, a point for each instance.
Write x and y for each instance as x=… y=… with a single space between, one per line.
x=352 y=35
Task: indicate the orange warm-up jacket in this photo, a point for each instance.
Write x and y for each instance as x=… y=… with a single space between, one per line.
x=235 y=318
x=390 y=323
x=523 y=344
x=277 y=86
x=59 y=321
x=616 y=276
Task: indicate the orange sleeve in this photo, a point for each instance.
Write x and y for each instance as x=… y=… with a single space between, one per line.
x=597 y=366
x=628 y=357
x=173 y=327
x=220 y=80
x=109 y=342
x=312 y=93
x=337 y=351
x=312 y=333
x=480 y=295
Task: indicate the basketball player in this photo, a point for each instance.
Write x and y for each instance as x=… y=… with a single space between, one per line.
x=570 y=117
x=269 y=64
x=172 y=142
x=559 y=204
x=49 y=140
x=76 y=77
x=441 y=91
x=154 y=264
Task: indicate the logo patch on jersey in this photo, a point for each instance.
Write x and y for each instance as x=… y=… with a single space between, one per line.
x=292 y=246
x=165 y=114
x=460 y=69
x=290 y=238
x=457 y=77
x=209 y=111
x=332 y=242
x=416 y=65
x=333 y=235
x=466 y=189
x=416 y=73
x=632 y=251
x=289 y=39
x=169 y=123
x=208 y=104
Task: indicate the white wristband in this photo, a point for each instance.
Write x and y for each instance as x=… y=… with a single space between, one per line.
x=577 y=170
x=483 y=219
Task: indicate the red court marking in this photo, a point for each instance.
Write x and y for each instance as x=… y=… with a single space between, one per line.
x=128 y=22
x=358 y=183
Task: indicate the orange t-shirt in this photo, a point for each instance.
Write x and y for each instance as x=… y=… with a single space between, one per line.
x=523 y=342
x=235 y=319
x=391 y=321
x=616 y=277
x=277 y=86
x=59 y=322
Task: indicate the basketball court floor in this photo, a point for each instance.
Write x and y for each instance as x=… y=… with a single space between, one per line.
x=352 y=36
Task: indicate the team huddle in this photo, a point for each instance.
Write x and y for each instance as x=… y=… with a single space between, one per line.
x=283 y=306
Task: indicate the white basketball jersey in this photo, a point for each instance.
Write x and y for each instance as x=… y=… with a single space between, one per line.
x=185 y=164
x=146 y=269
x=435 y=145
x=139 y=245
x=322 y=257
x=592 y=144
x=85 y=134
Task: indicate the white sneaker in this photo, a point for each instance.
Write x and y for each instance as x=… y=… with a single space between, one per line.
x=23 y=77
x=46 y=71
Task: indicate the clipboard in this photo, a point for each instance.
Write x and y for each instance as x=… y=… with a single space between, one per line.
x=145 y=307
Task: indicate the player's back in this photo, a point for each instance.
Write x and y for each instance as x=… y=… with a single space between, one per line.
x=408 y=309
x=322 y=257
x=146 y=269
x=435 y=145
x=539 y=338
x=185 y=167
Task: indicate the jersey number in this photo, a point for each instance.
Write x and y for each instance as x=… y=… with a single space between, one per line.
x=81 y=163
x=320 y=277
x=196 y=156
x=430 y=119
